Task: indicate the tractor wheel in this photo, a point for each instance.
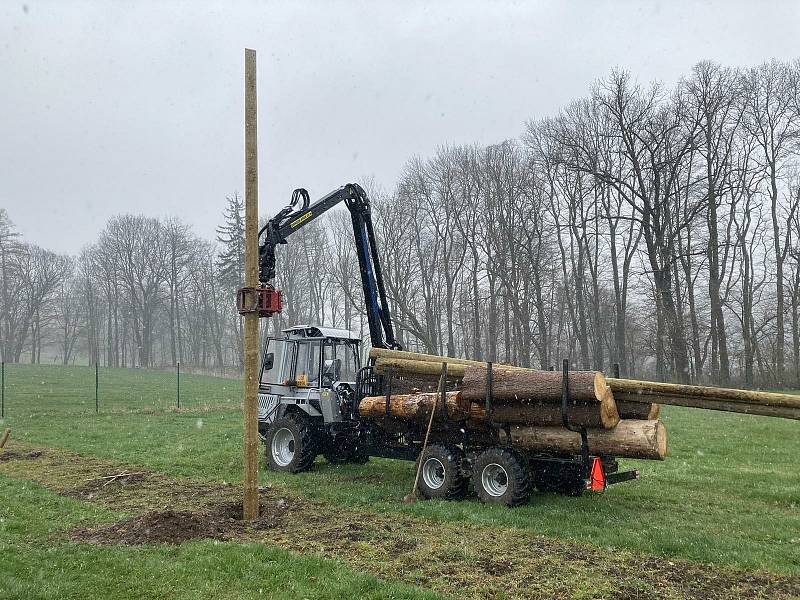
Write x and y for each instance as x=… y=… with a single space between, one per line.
x=501 y=476
x=292 y=443
x=441 y=473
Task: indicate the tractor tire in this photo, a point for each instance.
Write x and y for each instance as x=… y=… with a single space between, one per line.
x=501 y=476
x=292 y=443
x=440 y=475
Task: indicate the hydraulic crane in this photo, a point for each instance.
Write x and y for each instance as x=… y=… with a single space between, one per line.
x=300 y=213
x=312 y=382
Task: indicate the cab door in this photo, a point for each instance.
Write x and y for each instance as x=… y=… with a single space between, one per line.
x=305 y=377
x=276 y=375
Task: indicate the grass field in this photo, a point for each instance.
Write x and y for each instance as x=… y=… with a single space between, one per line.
x=727 y=496
x=44 y=389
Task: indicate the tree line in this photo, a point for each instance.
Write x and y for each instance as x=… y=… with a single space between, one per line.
x=653 y=227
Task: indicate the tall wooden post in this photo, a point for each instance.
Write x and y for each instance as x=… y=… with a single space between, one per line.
x=250 y=281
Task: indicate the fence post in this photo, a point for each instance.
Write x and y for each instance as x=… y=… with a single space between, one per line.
x=179 y=384
x=3 y=390
x=96 y=388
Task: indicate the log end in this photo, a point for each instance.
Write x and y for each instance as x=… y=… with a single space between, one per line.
x=661 y=440
x=601 y=388
x=609 y=415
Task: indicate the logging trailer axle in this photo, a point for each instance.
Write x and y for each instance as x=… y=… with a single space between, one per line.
x=312 y=382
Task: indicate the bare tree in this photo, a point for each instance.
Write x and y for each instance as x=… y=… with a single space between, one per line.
x=139 y=247
x=772 y=121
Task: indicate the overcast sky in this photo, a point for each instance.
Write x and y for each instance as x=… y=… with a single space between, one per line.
x=109 y=107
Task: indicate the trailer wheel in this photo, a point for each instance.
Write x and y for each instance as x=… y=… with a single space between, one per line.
x=441 y=473
x=292 y=443
x=501 y=476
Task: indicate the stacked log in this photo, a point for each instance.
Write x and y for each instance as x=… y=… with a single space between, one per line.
x=534 y=397
x=621 y=415
x=629 y=439
x=769 y=404
x=636 y=400
x=635 y=409
x=533 y=412
x=527 y=402
x=415 y=407
x=411 y=367
x=521 y=396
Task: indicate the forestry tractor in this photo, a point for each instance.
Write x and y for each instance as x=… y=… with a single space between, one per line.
x=312 y=381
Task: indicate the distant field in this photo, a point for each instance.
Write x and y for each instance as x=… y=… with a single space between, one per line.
x=33 y=389
x=728 y=494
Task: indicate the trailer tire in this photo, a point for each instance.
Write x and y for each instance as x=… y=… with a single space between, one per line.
x=441 y=474
x=292 y=443
x=501 y=476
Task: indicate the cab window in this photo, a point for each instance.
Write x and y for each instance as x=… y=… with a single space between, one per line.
x=307 y=365
x=276 y=361
x=339 y=362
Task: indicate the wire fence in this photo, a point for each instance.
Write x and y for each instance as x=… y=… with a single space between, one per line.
x=28 y=389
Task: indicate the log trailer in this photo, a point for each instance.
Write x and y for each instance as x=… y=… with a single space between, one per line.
x=312 y=382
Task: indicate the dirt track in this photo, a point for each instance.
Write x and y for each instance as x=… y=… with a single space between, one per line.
x=452 y=558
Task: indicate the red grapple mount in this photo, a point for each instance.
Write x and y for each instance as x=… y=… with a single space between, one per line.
x=266 y=301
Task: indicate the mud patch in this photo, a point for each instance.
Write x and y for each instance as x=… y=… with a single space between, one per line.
x=100 y=486
x=7 y=455
x=223 y=522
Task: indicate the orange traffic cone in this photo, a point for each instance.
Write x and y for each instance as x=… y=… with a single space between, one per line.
x=597 y=479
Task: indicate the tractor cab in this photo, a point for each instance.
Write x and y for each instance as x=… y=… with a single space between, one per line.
x=310 y=369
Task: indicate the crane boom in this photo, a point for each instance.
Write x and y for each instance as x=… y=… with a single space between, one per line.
x=300 y=213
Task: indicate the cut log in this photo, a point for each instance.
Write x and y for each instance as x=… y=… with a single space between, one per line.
x=588 y=389
x=674 y=390
x=401 y=366
x=643 y=411
x=629 y=439
x=592 y=400
x=511 y=383
x=414 y=407
x=532 y=412
x=784 y=412
x=419 y=357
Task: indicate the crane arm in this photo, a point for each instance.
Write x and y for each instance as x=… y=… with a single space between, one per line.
x=300 y=213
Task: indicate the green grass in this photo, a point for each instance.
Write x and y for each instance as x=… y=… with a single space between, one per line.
x=34 y=566
x=728 y=493
x=37 y=389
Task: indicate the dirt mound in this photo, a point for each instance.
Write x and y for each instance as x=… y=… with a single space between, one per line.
x=17 y=455
x=222 y=522
x=167 y=527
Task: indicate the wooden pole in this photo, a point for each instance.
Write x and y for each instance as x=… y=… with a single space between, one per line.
x=251 y=281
